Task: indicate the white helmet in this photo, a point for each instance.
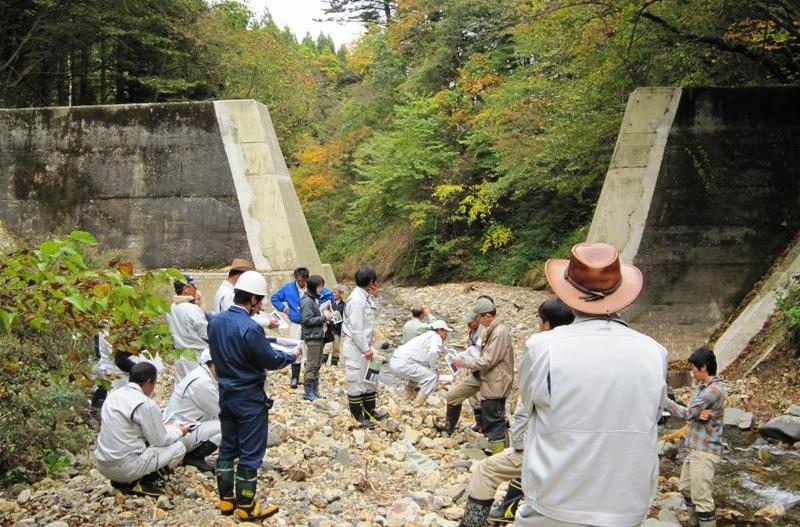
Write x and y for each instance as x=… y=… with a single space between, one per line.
x=252 y=282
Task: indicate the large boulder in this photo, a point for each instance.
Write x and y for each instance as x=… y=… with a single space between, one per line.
x=786 y=428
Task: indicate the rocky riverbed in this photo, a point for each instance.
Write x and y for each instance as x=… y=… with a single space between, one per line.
x=323 y=473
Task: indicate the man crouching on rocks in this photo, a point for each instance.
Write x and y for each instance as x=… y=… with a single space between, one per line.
x=492 y=376
x=134 y=445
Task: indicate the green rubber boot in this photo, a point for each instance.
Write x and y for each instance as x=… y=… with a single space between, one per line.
x=227 y=499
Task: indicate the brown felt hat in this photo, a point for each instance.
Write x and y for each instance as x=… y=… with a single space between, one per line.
x=594 y=280
x=240 y=264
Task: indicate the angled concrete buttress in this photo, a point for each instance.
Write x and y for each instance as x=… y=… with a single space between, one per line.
x=188 y=185
x=703 y=195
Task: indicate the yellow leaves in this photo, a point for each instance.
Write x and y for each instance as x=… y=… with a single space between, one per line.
x=317 y=173
x=478 y=206
x=443 y=192
x=496 y=236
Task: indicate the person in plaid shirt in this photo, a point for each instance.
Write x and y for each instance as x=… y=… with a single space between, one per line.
x=704 y=439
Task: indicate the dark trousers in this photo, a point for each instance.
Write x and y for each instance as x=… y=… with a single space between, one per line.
x=493 y=415
x=243 y=419
x=313 y=359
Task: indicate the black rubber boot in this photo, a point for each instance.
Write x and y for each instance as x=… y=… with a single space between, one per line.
x=247 y=508
x=147 y=486
x=707 y=519
x=451 y=419
x=693 y=521
x=371 y=410
x=308 y=390
x=315 y=389
x=227 y=499
x=295 y=376
x=335 y=360
x=197 y=457
x=478 y=420
x=357 y=410
x=324 y=358
x=505 y=511
x=475 y=513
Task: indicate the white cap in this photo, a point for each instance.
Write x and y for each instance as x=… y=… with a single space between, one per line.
x=205 y=356
x=440 y=324
x=252 y=282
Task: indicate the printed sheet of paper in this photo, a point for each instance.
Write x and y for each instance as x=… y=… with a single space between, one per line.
x=373 y=371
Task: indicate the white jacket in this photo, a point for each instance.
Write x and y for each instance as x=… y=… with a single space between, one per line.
x=188 y=325
x=423 y=349
x=130 y=421
x=590 y=452
x=360 y=313
x=223 y=298
x=195 y=398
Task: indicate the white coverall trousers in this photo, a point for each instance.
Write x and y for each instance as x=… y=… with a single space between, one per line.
x=355 y=367
x=415 y=372
x=135 y=467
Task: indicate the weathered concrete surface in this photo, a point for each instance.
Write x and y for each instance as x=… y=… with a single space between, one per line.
x=188 y=185
x=751 y=319
x=723 y=206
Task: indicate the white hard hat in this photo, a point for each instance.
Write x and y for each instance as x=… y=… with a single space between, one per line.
x=440 y=324
x=252 y=282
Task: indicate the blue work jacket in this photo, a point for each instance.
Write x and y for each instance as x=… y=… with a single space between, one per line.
x=289 y=295
x=241 y=352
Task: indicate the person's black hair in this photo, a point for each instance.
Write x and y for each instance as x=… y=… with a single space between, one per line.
x=235 y=272
x=240 y=297
x=314 y=281
x=143 y=372
x=417 y=312
x=365 y=276
x=704 y=357
x=180 y=285
x=301 y=271
x=487 y=297
x=556 y=312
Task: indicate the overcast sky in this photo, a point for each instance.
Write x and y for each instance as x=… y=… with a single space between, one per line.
x=299 y=15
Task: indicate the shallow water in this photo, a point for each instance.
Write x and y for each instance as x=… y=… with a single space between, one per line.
x=752 y=474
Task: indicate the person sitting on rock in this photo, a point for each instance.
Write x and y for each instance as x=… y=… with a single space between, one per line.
x=492 y=376
x=195 y=402
x=417 y=361
x=474 y=331
x=704 y=438
x=507 y=465
x=223 y=299
x=134 y=445
x=420 y=323
x=188 y=325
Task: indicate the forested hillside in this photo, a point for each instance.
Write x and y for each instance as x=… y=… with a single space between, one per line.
x=455 y=139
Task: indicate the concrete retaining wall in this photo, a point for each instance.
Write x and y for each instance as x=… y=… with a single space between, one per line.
x=702 y=194
x=188 y=185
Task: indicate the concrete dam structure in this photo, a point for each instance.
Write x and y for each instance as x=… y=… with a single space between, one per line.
x=188 y=185
x=703 y=195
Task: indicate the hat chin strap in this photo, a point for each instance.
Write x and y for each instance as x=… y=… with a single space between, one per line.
x=589 y=294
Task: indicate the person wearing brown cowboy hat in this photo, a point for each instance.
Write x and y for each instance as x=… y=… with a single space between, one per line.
x=223 y=298
x=596 y=388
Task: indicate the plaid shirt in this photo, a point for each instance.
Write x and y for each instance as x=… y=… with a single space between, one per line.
x=705 y=436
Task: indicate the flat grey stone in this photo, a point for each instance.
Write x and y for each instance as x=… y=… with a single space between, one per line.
x=738 y=418
x=794 y=410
